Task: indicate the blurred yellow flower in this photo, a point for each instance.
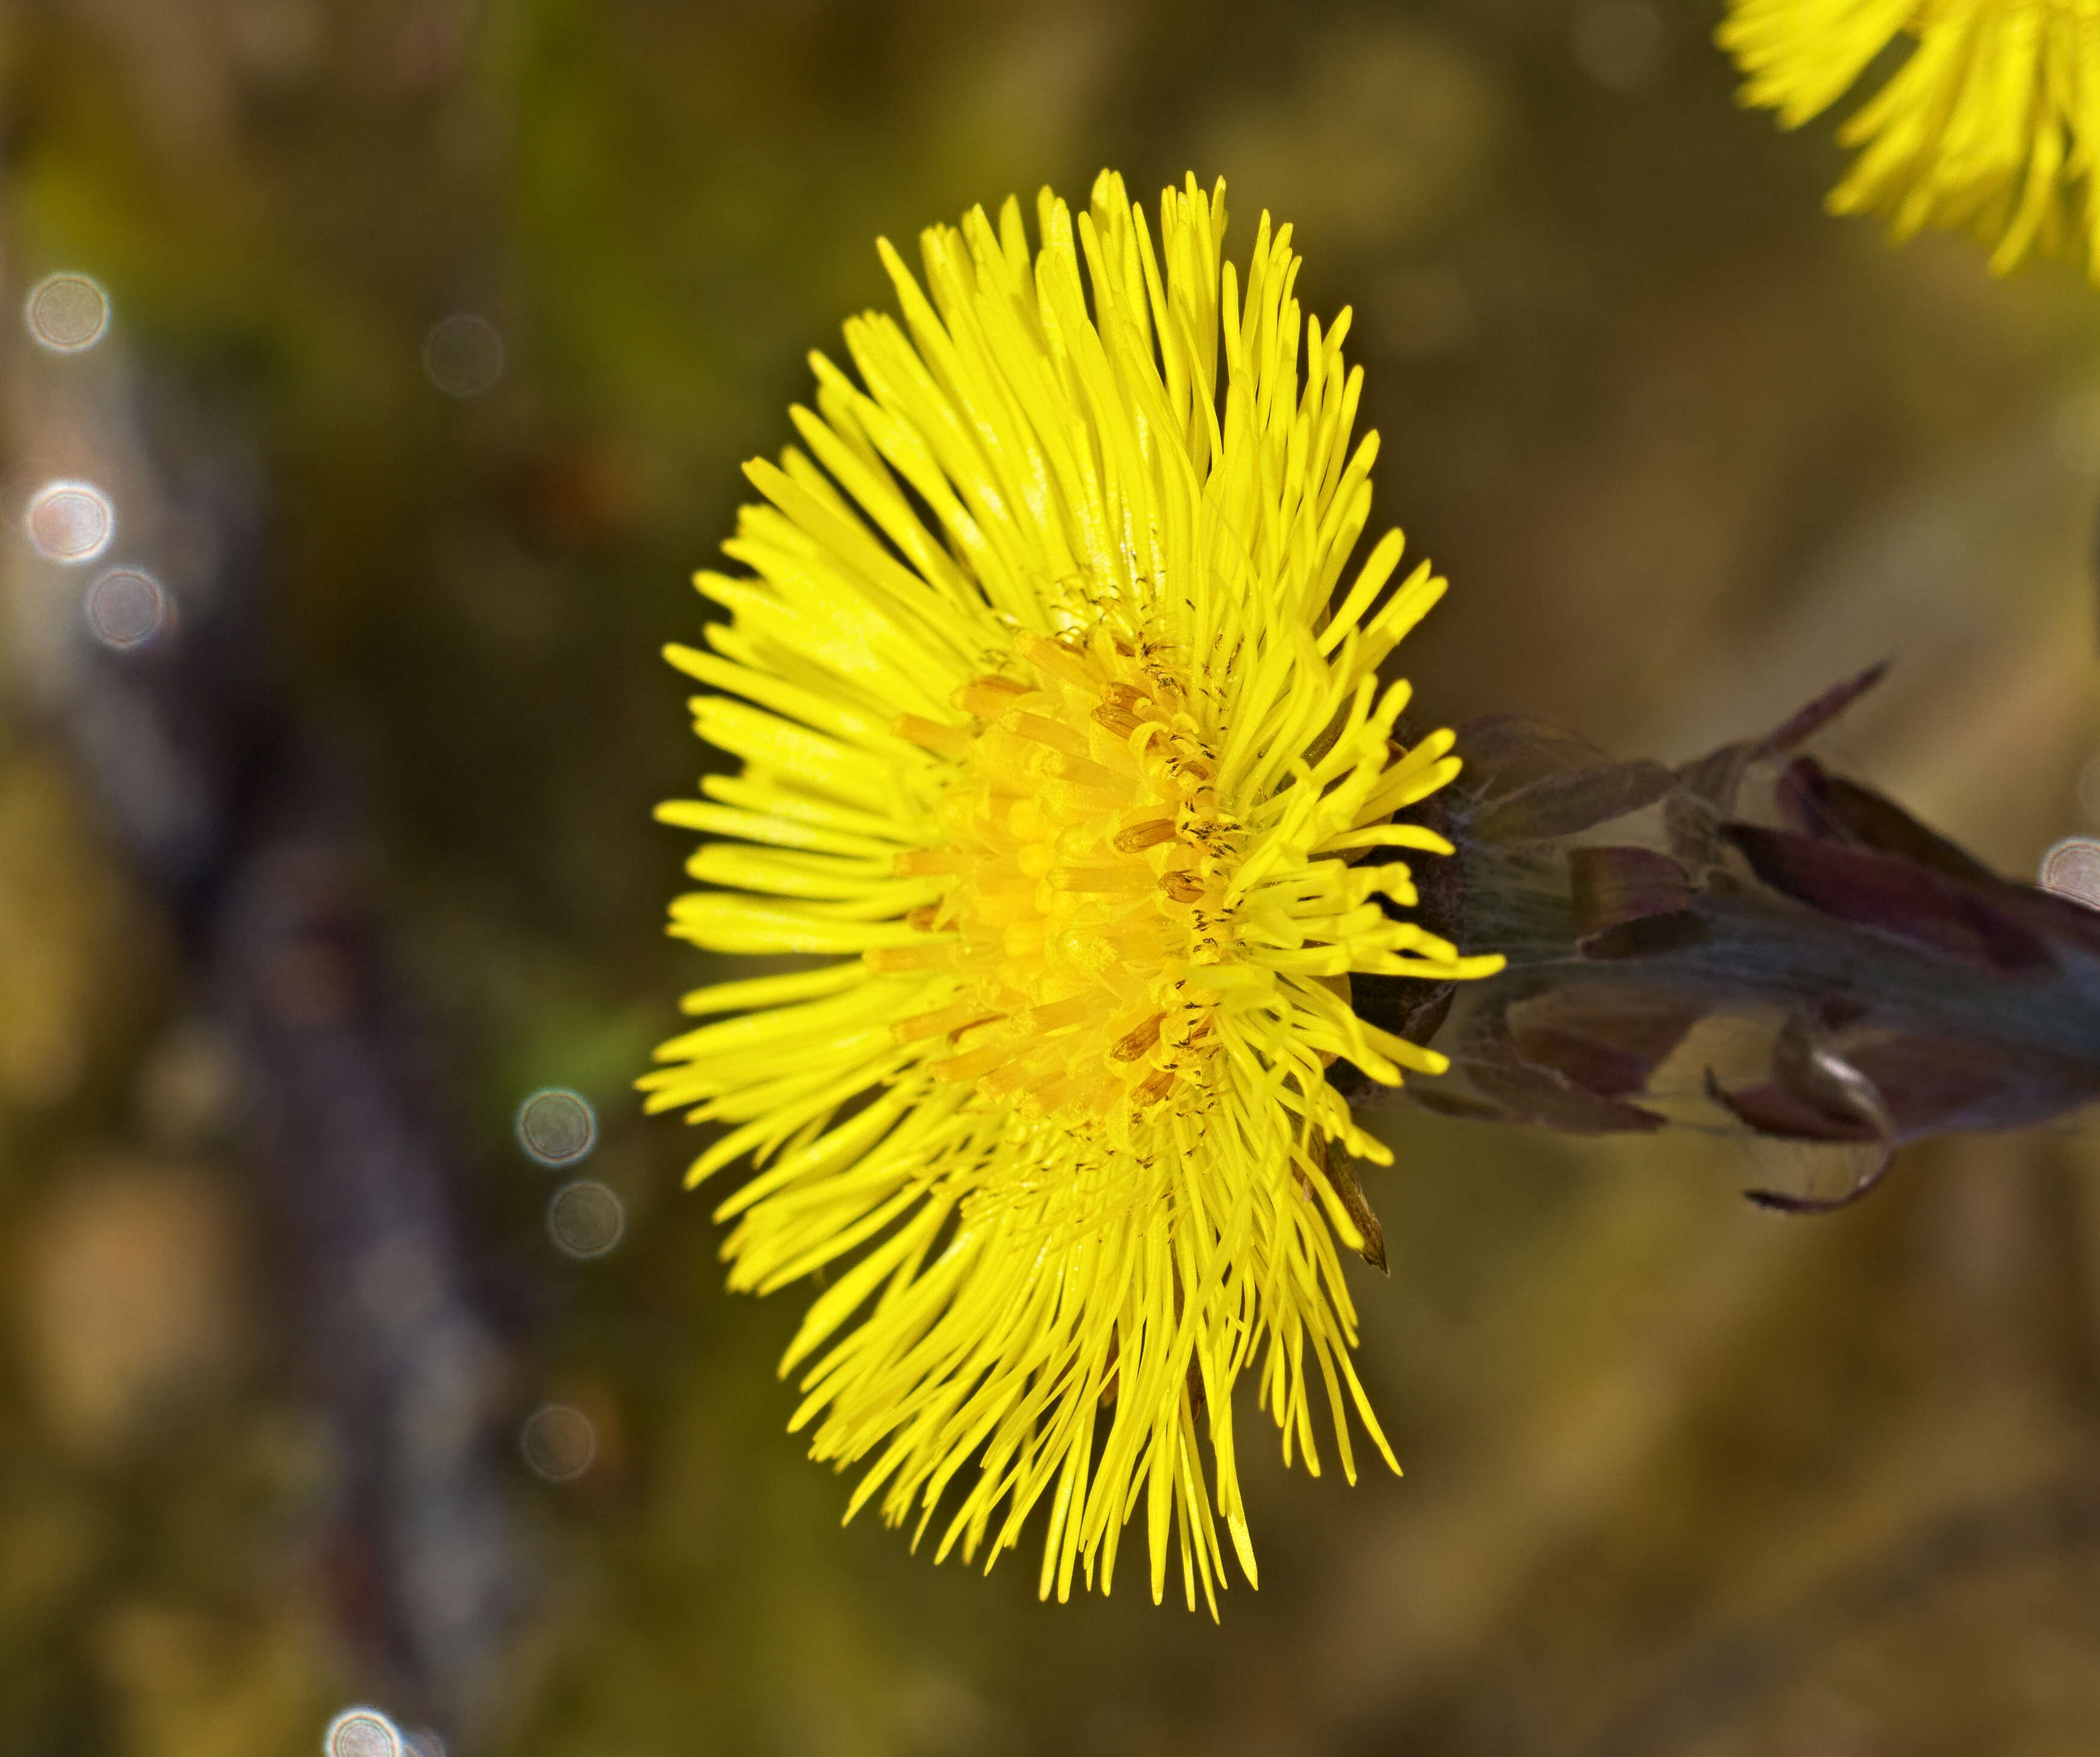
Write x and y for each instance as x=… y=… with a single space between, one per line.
x=1058 y=775
x=1991 y=122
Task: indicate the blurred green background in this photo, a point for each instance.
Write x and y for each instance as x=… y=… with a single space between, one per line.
x=1684 y=1477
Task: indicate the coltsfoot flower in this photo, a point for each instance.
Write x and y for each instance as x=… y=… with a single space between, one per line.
x=1991 y=122
x=1076 y=799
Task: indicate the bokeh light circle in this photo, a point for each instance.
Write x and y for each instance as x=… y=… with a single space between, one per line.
x=559 y=1442
x=66 y=312
x=2088 y=789
x=1619 y=43
x=463 y=354
x=557 y=1126
x=361 y=1732
x=2075 y=434
x=127 y=607
x=70 y=522
x=585 y=1219
x=2071 y=869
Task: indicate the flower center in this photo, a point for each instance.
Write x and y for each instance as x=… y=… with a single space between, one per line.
x=1089 y=862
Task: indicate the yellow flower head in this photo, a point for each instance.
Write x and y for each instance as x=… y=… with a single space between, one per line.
x=1991 y=122
x=1060 y=774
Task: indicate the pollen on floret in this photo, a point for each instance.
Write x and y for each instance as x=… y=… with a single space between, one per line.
x=1087 y=862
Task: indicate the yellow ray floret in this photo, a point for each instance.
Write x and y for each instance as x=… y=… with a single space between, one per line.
x=1991 y=121
x=1054 y=755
